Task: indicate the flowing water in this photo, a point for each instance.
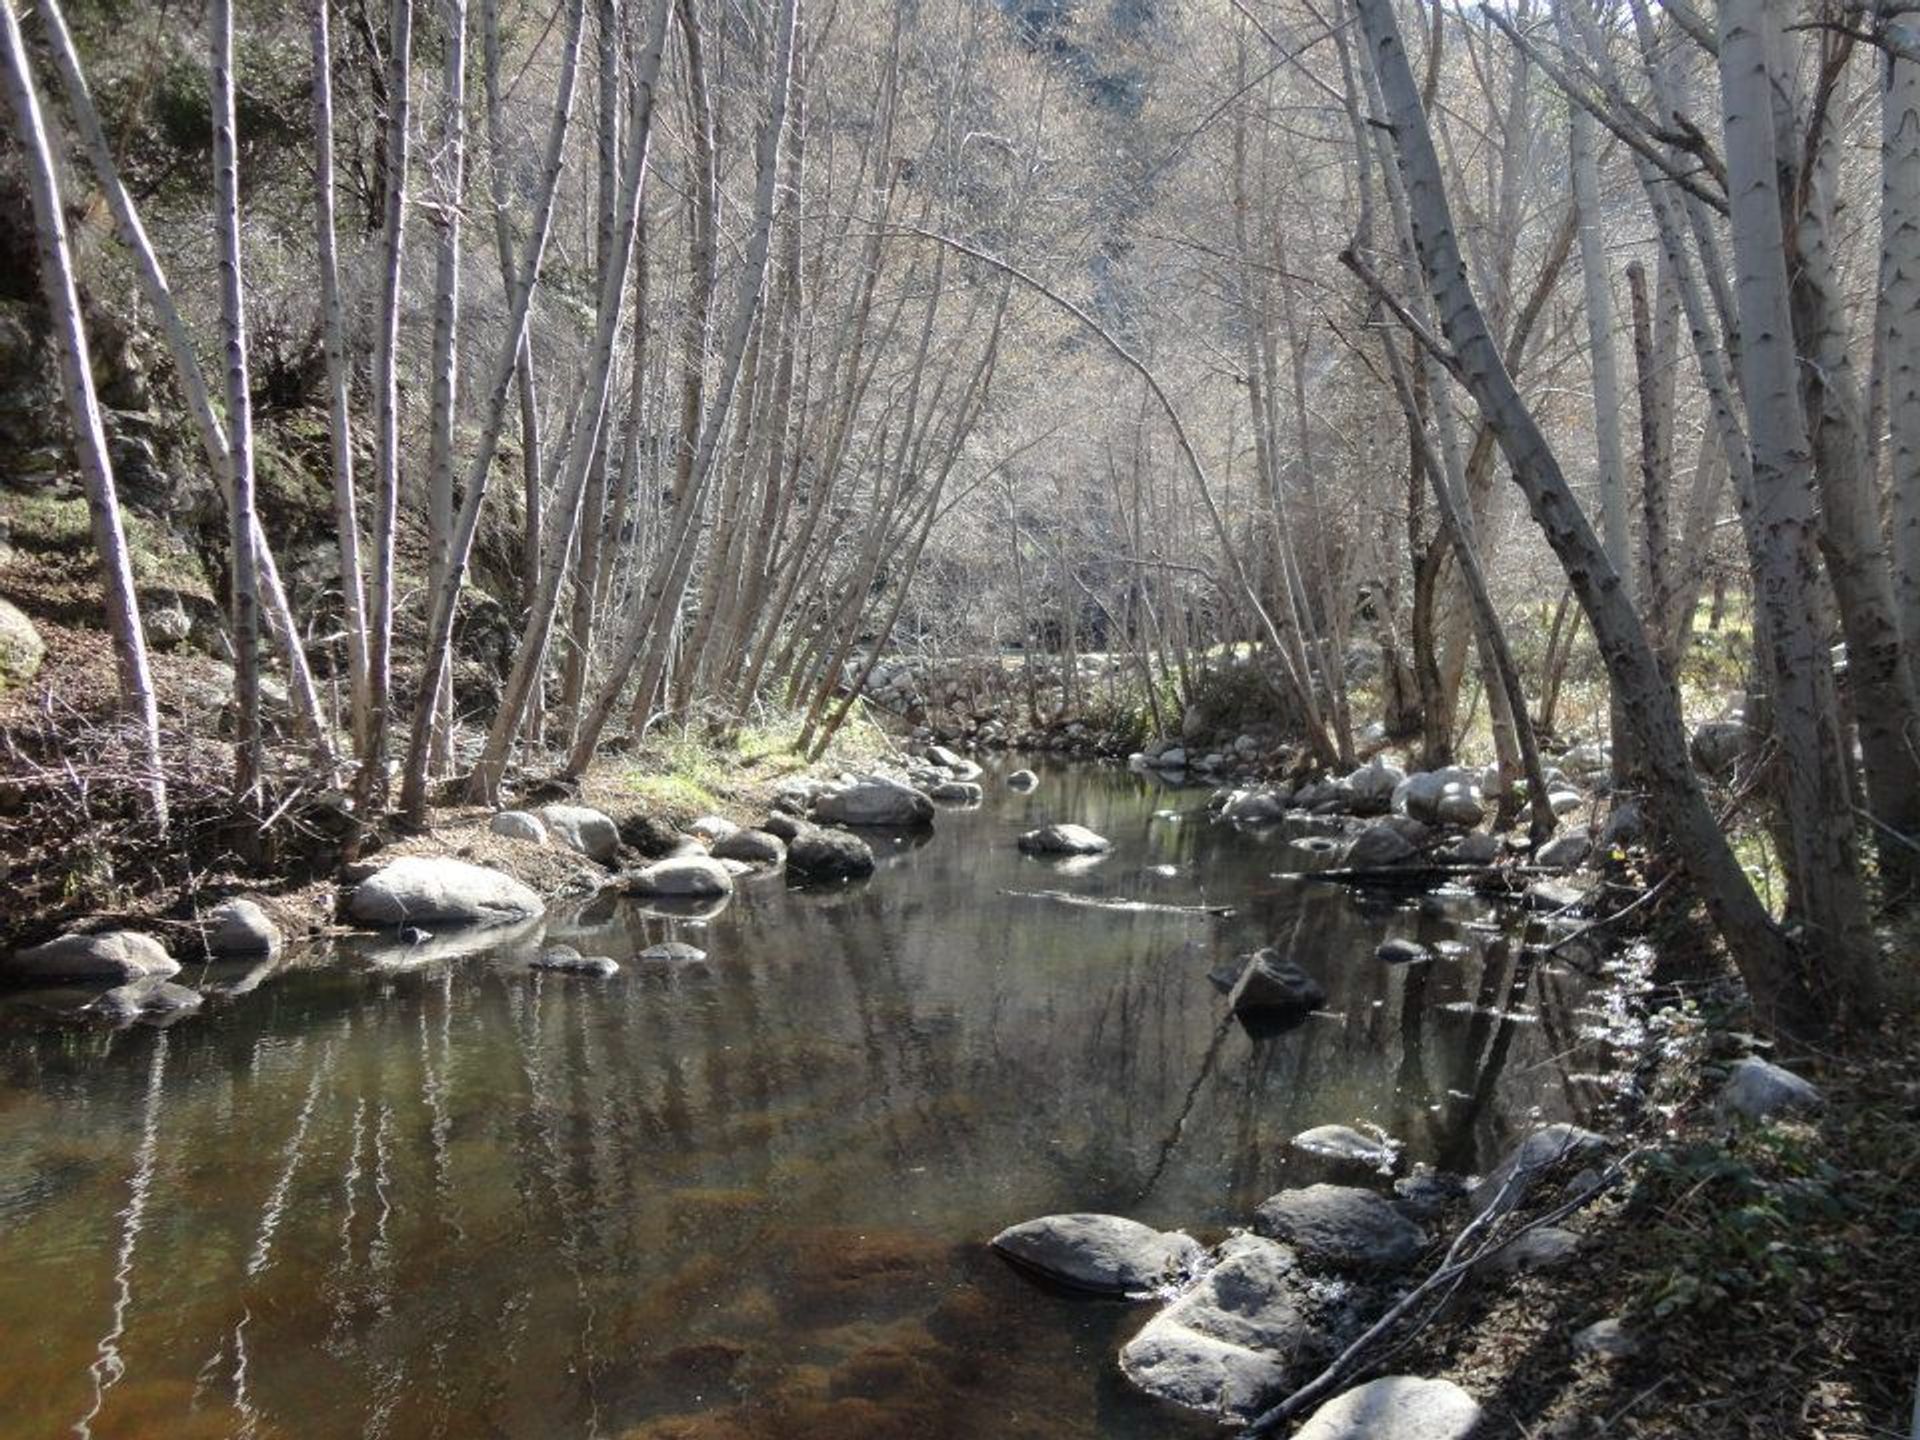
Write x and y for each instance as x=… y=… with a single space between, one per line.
x=744 y=1198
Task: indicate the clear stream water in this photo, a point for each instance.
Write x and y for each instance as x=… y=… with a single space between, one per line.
x=748 y=1198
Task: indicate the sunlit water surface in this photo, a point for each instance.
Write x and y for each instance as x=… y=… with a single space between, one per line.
x=748 y=1198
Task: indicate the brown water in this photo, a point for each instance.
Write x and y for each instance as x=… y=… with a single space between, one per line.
x=749 y=1198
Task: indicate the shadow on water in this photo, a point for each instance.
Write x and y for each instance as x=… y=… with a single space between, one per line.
x=430 y=1190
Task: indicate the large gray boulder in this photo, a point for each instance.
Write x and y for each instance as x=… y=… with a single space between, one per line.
x=1341 y=1227
x=21 y=648
x=1441 y=797
x=874 y=800
x=519 y=825
x=1064 y=840
x=1109 y=1254
x=241 y=927
x=116 y=955
x=695 y=875
x=1758 y=1090
x=1235 y=1342
x=1396 y=1407
x=583 y=829
x=1256 y=807
x=1370 y=788
x=437 y=889
x=1271 y=985
x=817 y=854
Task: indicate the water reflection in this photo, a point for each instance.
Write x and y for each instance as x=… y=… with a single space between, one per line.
x=455 y=1195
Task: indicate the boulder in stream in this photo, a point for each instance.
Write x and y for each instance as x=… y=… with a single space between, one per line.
x=1022 y=780
x=1064 y=840
x=570 y=961
x=1396 y=1407
x=437 y=889
x=1379 y=846
x=118 y=955
x=755 y=847
x=1341 y=1227
x=1108 y=1254
x=1402 y=951
x=1272 y=985
x=241 y=927
x=153 y=997
x=1370 y=788
x=673 y=952
x=817 y=854
x=1344 y=1146
x=874 y=800
x=697 y=875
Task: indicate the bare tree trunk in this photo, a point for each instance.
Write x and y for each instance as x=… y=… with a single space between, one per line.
x=1900 y=317
x=233 y=327
x=89 y=439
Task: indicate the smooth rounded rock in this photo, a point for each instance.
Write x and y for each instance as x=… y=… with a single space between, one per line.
x=874 y=800
x=673 y=952
x=241 y=927
x=1606 y=1340
x=1546 y=1248
x=1064 y=840
x=585 y=830
x=118 y=955
x=1022 y=780
x=755 y=847
x=1396 y=1407
x=1401 y=951
x=1270 y=984
x=817 y=854
x=1342 y=1227
x=519 y=825
x=1379 y=846
x=1344 y=1145
x=1758 y=1090
x=697 y=875
x=1109 y=1254
x=430 y=889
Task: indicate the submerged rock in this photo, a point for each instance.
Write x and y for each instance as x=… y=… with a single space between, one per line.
x=1237 y=1340
x=1022 y=780
x=241 y=927
x=673 y=952
x=569 y=960
x=585 y=830
x=817 y=854
x=1396 y=1407
x=874 y=800
x=519 y=825
x=1341 y=1227
x=429 y=889
x=1064 y=840
x=1271 y=984
x=1109 y=1254
x=681 y=875
x=1758 y=1090
x=150 y=998
x=112 y=955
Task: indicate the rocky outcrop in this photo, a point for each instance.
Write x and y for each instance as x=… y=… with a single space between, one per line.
x=1341 y=1227
x=1107 y=1254
x=115 y=955
x=437 y=889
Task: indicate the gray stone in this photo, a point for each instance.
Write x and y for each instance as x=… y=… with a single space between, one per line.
x=711 y=827
x=1606 y=1340
x=1544 y=1148
x=241 y=927
x=1256 y=807
x=570 y=961
x=1174 y=758
x=430 y=889
x=1758 y=1090
x=818 y=854
x=1064 y=840
x=956 y=792
x=874 y=800
x=21 y=648
x=679 y=875
x=783 y=827
x=1342 y=1144
x=152 y=997
x=1396 y=1407
x=1476 y=847
x=1546 y=1248
x=673 y=952
x=1564 y=802
x=1237 y=1340
x=118 y=955
x=1342 y=1227
x=755 y=847
x=1022 y=780
x=1109 y=1254
x=1441 y=797
x=585 y=830
x=1565 y=852
x=1424 y=1193
x=1401 y=951
x=519 y=825
x=1371 y=787
x=1378 y=846
x=1718 y=746
x=1271 y=984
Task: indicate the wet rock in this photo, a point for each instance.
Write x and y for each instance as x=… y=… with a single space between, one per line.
x=430 y=889
x=673 y=952
x=1270 y=984
x=152 y=997
x=1546 y=1248
x=1718 y=746
x=1565 y=852
x=585 y=830
x=1109 y=1254
x=1064 y=840
x=1758 y=1090
x=783 y=827
x=1370 y=788
x=21 y=648
x=1378 y=846
x=1174 y=758
x=241 y=927
x=1256 y=807
x=1606 y=1340
x=1548 y=1146
x=118 y=955
x=1237 y=1340
x=1344 y=1146
x=1341 y=1227
x=679 y=875
x=1022 y=780
x=570 y=961
x=1396 y=1407
x=817 y=854
x=874 y=800
x=519 y=825
x=755 y=847
x=956 y=792
x=947 y=759
x=1401 y=951
x=1476 y=847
